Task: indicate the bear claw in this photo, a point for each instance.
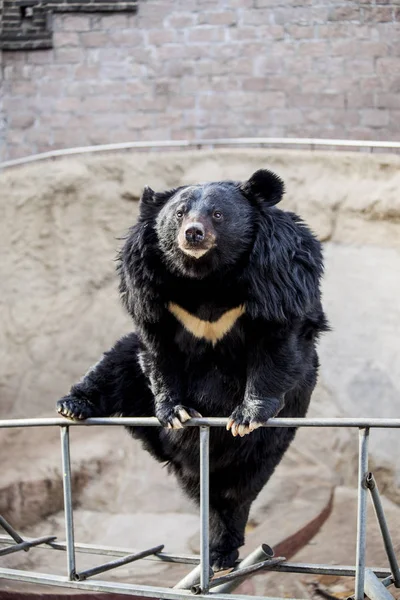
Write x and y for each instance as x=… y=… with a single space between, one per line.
x=242 y=429
x=177 y=416
x=75 y=409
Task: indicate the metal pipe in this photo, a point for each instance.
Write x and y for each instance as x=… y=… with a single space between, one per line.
x=361 y=512
x=116 y=563
x=206 y=422
x=204 y=508
x=287 y=567
x=316 y=569
x=26 y=545
x=236 y=577
x=374 y=588
x=10 y=530
x=69 y=518
x=387 y=581
x=93 y=585
x=387 y=540
x=262 y=553
x=191 y=579
x=199 y=144
x=110 y=551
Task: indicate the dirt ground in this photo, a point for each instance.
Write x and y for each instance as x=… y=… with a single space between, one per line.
x=59 y=310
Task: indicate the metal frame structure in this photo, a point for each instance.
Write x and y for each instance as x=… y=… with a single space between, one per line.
x=307 y=143
x=201 y=581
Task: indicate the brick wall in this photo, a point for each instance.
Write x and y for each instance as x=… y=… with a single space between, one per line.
x=209 y=68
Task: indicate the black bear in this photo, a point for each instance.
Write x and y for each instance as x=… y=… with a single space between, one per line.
x=223 y=288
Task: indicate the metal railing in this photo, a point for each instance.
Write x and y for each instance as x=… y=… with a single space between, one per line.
x=309 y=143
x=372 y=581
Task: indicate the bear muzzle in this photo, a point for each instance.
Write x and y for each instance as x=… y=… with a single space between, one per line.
x=195 y=240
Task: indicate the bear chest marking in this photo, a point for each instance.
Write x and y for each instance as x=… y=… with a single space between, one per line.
x=212 y=331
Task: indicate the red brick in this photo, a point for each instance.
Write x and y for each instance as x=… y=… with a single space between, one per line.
x=22 y=120
x=391 y=101
x=388 y=65
x=270 y=99
x=254 y=84
x=22 y=88
x=378 y=14
x=76 y=23
x=359 y=66
x=313 y=48
x=65 y=38
x=374 y=117
x=223 y=17
x=67 y=104
x=85 y=72
x=40 y=57
x=94 y=39
x=345 y=13
x=68 y=55
x=128 y=38
x=206 y=34
x=112 y=22
x=180 y=20
x=159 y=37
x=360 y=100
x=290 y=116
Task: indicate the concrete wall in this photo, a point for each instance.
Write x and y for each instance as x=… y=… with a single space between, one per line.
x=209 y=68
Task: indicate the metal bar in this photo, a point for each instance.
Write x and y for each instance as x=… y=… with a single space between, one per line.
x=207 y=422
x=26 y=545
x=387 y=581
x=262 y=553
x=387 y=540
x=361 y=512
x=204 y=508
x=199 y=144
x=147 y=591
x=287 y=567
x=10 y=530
x=116 y=563
x=316 y=569
x=374 y=588
x=109 y=551
x=238 y=576
x=191 y=579
x=69 y=518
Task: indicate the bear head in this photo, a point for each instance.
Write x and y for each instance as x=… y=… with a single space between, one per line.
x=204 y=228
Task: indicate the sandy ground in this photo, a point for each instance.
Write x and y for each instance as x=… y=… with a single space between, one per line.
x=59 y=310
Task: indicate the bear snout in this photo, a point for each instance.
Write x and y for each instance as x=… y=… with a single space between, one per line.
x=194 y=233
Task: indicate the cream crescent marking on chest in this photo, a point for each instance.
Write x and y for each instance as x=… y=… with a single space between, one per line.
x=212 y=331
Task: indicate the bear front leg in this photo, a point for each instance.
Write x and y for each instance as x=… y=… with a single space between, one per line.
x=115 y=385
x=274 y=365
x=166 y=389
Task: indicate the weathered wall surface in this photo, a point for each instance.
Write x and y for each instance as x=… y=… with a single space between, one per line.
x=209 y=68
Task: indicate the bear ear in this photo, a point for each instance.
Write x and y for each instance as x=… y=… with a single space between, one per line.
x=148 y=196
x=264 y=187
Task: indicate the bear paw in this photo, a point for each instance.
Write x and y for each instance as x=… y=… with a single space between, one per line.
x=219 y=560
x=174 y=417
x=248 y=417
x=76 y=409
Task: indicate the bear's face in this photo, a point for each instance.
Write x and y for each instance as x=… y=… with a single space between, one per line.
x=206 y=228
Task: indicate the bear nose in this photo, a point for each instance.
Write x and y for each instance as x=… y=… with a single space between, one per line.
x=194 y=233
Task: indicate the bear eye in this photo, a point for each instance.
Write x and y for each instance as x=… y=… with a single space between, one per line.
x=179 y=214
x=217 y=215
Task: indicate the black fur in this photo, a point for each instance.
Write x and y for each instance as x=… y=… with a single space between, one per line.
x=256 y=256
